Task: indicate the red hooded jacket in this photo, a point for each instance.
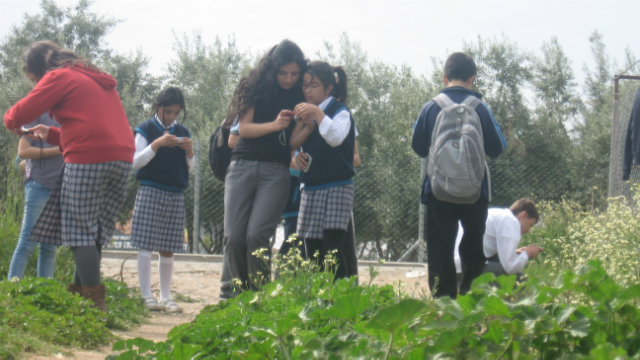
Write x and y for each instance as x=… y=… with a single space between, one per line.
x=94 y=127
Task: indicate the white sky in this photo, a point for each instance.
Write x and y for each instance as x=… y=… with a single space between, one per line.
x=398 y=32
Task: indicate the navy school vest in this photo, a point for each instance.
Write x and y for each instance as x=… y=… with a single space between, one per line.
x=168 y=170
x=331 y=166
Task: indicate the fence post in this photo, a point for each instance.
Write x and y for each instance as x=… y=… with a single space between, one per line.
x=196 y=201
x=421 y=245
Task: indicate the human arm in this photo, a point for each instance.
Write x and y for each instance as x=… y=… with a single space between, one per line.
x=421 y=140
x=356 y=155
x=47 y=93
x=28 y=151
x=507 y=240
x=234 y=135
x=187 y=145
x=145 y=152
x=494 y=141
x=250 y=130
x=333 y=130
x=304 y=127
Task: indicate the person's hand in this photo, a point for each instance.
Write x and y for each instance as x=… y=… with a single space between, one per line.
x=166 y=140
x=23 y=166
x=301 y=160
x=308 y=122
x=533 y=250
x=306 y=110
x=283 y=120
x=41 y=131
x=186 y=144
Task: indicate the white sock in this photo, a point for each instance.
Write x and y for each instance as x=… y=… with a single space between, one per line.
x=165 y=268
x=144 y=272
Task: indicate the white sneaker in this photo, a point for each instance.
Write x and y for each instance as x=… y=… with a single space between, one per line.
x=170 y=306
x=152 y=304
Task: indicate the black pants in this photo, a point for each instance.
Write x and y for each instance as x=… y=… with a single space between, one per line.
x=442 y=229
x=349 y=247
x=333 y=240
x=290 y=225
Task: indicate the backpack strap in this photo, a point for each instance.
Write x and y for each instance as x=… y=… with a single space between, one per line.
x=472 y=102
x=443 y=101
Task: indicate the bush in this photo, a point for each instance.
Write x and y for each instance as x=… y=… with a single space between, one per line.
x=582 y=314
x=572 y=237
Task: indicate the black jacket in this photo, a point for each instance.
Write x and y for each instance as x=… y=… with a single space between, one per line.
x=632 y=143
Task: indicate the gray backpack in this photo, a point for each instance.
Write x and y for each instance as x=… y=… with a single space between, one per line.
x=457 y=161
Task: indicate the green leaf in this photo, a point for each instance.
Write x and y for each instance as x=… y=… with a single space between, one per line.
x=348 y=306
x=630 y=293
x=284 y=326
x=395 y=316
x=495 y=306
x=580 y=328
x=495 y=332
x=449 y=339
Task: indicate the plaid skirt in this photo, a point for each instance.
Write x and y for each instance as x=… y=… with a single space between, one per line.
x=325 y=209
x=84 y=205
x=158 y=220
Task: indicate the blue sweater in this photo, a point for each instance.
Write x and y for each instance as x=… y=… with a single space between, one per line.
x=494 y=141
x=168 y=170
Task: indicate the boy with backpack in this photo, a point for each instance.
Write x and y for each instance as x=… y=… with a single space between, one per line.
x=455 y=130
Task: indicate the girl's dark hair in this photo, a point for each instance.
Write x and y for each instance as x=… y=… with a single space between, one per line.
x=261 y=85
x=327 y=75
x=44 y=56
x=170 y=96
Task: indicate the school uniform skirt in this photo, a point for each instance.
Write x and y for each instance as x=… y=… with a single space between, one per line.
x=325 y=209
x=158 y=220
x=84 y=205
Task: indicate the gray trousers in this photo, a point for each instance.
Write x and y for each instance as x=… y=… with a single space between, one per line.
x=255 y=195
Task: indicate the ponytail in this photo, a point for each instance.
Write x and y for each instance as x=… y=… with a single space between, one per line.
x=340 y=88
x=327 y=76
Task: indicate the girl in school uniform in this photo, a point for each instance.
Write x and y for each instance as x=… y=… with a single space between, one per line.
x=163 y=161
x=257 y=181
x=326 y=132
x=43 y=164
x=97 y=145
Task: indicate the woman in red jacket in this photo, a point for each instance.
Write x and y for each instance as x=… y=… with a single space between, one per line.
x=97 y=144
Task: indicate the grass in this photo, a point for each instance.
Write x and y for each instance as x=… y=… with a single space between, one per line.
x=39 y=316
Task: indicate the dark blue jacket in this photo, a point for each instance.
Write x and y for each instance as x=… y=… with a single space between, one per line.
x=632 y=142
x=494 y=141
x=168 y=170
x=331 y=166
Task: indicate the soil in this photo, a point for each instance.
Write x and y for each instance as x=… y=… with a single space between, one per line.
x=201 y=282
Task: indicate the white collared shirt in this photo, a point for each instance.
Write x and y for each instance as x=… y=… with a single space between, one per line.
x=335 y=130
x=502 y=237
x=144 y=153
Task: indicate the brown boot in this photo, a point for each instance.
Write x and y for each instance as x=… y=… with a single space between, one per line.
x=95 y=294
x=73 y=288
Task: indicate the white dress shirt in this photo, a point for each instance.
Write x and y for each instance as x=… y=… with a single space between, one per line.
x=144 y=153
x=335 y=130
x=501 y=237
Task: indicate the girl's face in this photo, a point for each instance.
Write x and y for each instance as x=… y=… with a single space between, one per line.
x=288 y=75
x=314 y=91
x=168 y=114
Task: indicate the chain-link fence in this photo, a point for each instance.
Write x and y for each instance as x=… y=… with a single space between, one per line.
x=387 y=204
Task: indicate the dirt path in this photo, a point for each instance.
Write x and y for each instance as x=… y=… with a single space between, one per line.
x=201 y=282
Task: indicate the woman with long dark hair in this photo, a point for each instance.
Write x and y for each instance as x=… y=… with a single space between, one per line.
x=97 y=145
x=257 y=181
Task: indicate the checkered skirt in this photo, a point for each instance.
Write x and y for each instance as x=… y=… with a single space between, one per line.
x=325 y=209
x=158 y=220
x=84 y=205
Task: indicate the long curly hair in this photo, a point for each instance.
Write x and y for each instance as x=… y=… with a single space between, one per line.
x=260 y=86
x=44 y=56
